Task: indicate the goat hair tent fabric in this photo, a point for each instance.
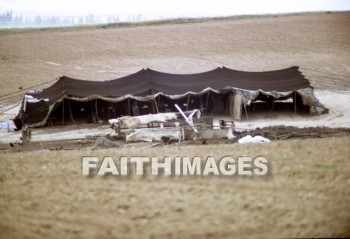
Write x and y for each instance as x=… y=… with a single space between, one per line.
x=147 y=84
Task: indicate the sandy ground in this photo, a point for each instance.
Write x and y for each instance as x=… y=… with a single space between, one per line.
x=307 y=194
x=44 y=195
x=318 y=43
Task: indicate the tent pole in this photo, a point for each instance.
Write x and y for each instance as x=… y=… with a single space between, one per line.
x=91 y=108
x=49 y=119
x=231 y=104
x=273 y=104
x=113 y=110
x=129 y=106
x=96 y=110
x=227 y=107
x=295 y=102
x=158 y=103
x=62 y=111
x=107 y=109
x=206 y=104
x=70 y=112
x=155 y=102
x=188 y=101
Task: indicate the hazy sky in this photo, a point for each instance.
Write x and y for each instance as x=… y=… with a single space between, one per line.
x=164 y=7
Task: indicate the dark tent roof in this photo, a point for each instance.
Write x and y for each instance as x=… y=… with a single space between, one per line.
x=148 y=82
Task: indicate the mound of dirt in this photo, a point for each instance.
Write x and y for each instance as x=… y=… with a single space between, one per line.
x=290 y=132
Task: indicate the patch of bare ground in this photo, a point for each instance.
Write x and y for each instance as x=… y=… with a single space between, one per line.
x=44 y=195
x=317 y=42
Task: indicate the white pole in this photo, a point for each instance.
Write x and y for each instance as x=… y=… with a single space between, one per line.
x=25 y=104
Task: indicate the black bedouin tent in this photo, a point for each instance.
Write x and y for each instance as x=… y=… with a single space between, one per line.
x=68 y=96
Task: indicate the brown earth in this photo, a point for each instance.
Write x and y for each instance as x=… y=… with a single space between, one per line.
x=307 y=193
x=318 y=43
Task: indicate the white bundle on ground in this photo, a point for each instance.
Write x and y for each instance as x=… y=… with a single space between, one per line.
x=255 y=139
